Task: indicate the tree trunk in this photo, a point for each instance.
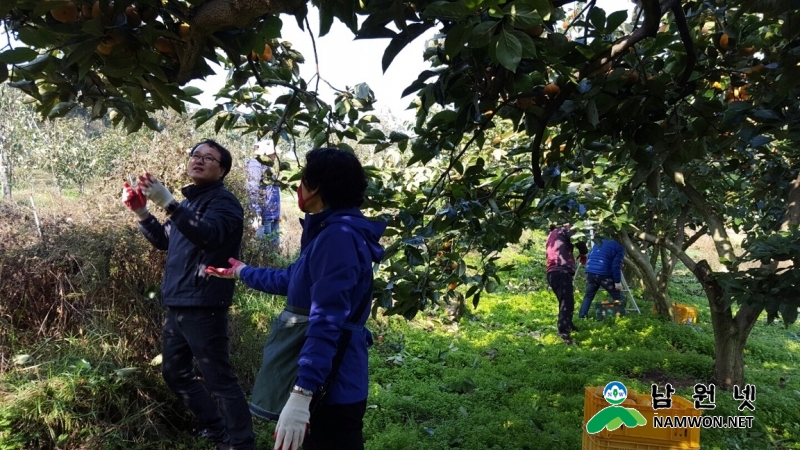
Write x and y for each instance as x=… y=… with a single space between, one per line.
x=728 y=352
x=652 y=288
x=730 y=332
x=5 y=173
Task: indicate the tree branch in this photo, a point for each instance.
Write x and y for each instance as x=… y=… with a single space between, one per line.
x=685 y=259
x=214 y=15
x=722 y=241
x=700 y=233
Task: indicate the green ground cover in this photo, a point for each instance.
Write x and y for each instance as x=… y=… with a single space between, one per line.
x=498 y=379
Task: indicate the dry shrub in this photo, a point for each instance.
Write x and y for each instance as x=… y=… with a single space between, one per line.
x=79 y=275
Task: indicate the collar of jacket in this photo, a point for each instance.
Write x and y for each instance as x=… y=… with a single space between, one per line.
x=313 y=224
x=192 y=191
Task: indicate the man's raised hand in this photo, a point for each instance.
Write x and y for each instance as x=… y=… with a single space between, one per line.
x=135 y=200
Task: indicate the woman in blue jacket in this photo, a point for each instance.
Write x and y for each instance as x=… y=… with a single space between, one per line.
x=604 y=269
x=331 y=281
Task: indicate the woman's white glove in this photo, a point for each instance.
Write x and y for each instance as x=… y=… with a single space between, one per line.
x=156 y=191
x=293 y=422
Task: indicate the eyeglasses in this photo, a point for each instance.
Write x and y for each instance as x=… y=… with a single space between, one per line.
x=206 y=158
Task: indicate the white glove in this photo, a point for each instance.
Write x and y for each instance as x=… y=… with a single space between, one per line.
x=293 y=422
x=156 y=191
x=618 y=286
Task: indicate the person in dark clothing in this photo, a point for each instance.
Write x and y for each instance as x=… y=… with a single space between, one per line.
x=604 y=269
x=560 y=273
x=332 y=282
x=203 y=230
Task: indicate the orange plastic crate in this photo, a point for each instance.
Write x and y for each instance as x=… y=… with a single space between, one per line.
x=593 y=442
x=683 y=313
x=664 y=438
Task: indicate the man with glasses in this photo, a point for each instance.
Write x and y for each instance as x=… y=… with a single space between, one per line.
x=205 y=229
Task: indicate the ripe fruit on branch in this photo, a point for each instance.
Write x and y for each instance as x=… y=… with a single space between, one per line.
x=164 y=45
x=534 y=31
x=184 y=30
x=265 y=55
x=551 y=90
x=65 y=14
x=724 y=42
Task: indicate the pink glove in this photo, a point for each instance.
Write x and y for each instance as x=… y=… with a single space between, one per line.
x=229 y=273
x=135 y=200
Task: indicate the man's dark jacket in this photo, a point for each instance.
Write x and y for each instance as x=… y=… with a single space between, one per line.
x=205 y=230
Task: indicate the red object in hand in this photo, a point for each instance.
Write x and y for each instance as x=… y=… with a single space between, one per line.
x=231 y=272
x=134 y=199
x=582 y=259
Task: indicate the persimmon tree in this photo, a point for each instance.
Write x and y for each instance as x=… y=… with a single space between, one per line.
x=677 y=109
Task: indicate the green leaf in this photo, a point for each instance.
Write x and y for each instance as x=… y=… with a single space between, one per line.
x=164 y=93
x=615 y=20
x=271 y=28
x=36 y=37
x=61 y=109
x=446 y=11
x=192 y=91
x=765 y=114
x=508 y=50
x=401 y=40
x=482 y=34
x=528 y=46
x=396 y=136
x=18 y=55
x=81 y=52
x=542 y=6
x=456 y=38
x=598 y=17
x=345 y=147
x=522 y=16
x=591 y=112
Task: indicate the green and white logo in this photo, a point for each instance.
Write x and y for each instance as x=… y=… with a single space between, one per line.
x=614 y=416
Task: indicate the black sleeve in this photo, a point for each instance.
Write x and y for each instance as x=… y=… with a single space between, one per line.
x=223 y=217
x=155 y=232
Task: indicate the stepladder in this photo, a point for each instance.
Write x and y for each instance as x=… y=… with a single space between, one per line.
x=630 y=301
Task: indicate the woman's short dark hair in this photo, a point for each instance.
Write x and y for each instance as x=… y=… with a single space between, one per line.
x=225 y=158
x=338 y=175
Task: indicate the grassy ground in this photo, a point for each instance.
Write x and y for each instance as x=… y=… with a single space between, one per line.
x=498 y=379
x=502 y=379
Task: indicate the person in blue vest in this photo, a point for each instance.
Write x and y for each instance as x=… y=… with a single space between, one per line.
x=332 y=282
x=604 y=269
x=264 y=190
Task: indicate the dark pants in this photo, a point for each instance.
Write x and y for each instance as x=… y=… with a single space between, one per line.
x=593 y=283
x=561 y=283
x=336 y=427
x=201 y=335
